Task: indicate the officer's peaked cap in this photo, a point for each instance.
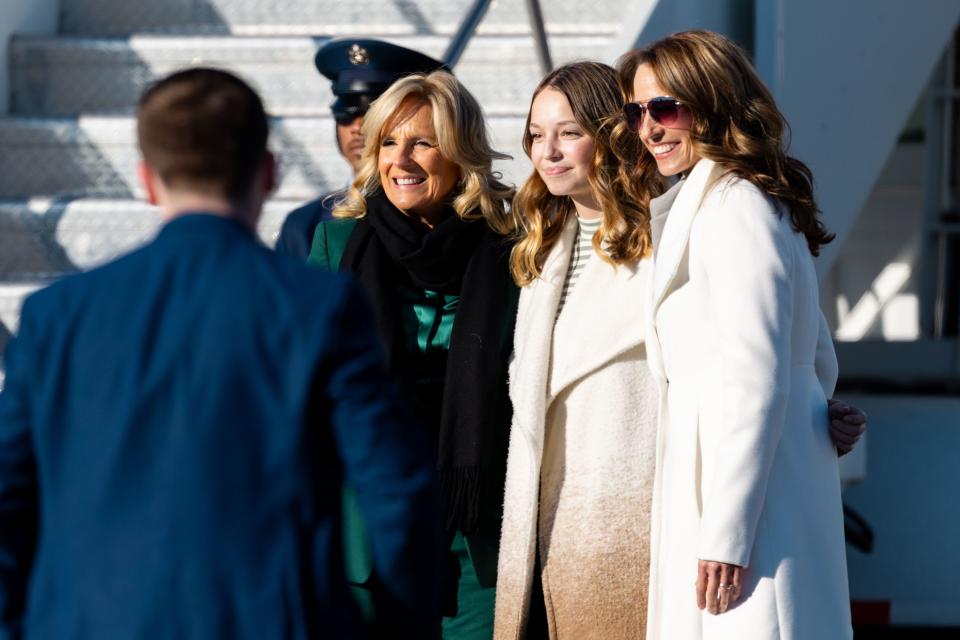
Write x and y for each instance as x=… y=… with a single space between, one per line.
x=366 y=68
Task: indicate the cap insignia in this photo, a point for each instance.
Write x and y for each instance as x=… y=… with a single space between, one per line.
x=358 y=55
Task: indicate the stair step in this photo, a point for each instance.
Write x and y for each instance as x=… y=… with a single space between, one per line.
x=97 y=156
x=371 y=18
x=44 y=238
x=73 y=76
x=12 y=295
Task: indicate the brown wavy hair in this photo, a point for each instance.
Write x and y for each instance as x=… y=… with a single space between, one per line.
x=461 y=137
x=736 y=122
x=595 y=98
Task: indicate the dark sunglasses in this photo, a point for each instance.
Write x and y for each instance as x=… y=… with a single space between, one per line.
x=663 y=109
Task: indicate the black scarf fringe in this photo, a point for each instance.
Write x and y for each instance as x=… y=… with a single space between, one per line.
x=463 y=497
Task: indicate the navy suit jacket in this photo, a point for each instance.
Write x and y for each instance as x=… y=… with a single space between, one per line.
x=174 y=432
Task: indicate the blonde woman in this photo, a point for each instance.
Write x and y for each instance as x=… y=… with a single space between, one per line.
x=580 y=474
x=424 y=227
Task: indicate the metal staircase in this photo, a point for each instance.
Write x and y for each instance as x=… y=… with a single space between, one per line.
x=69 y=198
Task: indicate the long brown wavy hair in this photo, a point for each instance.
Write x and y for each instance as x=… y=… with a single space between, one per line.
x=736 y=122
x=595 y=98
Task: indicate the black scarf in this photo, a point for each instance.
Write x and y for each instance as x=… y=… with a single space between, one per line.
x=387 y=250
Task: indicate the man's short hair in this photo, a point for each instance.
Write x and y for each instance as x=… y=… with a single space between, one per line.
x=203 y=129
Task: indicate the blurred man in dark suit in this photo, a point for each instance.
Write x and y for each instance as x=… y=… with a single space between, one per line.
x=176 y=425
x=359 y=71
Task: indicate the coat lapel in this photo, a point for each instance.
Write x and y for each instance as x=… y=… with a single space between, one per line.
x=603 y=317
x=672 y=247
x=534 y=335
x=676 y=231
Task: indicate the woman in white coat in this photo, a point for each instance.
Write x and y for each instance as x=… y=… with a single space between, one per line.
x=573 y=554
x=747 y=530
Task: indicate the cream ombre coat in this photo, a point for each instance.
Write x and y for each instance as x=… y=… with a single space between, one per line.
x=747 y=473
x=582 y=444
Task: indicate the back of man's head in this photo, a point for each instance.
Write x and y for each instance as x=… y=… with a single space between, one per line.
x=203 y=130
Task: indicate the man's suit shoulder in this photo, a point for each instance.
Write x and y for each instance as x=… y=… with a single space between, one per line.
x=78 y=286
x=306 y=288
x=315 y=291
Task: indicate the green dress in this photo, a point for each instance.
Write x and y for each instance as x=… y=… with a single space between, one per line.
x=427 y=324
x=427 y=319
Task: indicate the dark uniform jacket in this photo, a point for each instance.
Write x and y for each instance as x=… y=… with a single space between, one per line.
x=174 y=433
x=297 y=231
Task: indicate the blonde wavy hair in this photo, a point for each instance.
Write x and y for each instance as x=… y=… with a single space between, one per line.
x=595 y=98
x=461 y=137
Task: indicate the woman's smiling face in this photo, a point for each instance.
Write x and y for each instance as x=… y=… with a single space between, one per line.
x=415 y=176
x=670 y=146
x=560 y=148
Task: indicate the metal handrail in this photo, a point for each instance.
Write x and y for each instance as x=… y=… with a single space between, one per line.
x=539 y=35
x=464 y=32
x=476 y=13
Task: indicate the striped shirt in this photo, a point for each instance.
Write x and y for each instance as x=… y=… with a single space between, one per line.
x=582 y=252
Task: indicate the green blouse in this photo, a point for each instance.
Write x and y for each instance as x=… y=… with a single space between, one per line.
x=427 y=319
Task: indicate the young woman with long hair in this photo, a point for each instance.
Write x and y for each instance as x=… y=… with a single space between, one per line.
x=573 y=553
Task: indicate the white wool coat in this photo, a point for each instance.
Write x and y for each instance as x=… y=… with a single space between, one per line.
x=747 y=473
x=582 y=449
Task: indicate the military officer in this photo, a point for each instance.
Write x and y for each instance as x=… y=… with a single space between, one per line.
x=359 y=70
